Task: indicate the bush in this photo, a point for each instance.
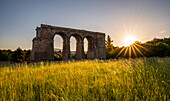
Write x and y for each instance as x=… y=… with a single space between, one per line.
x=18 y=56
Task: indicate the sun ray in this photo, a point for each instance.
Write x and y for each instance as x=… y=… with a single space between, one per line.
x=125 y=52
x=138 y=50
x=134 y=50
x=130 y=52
x=120 y=52
x=140 y=46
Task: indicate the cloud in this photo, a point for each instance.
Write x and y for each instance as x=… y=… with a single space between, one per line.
x=163 y=31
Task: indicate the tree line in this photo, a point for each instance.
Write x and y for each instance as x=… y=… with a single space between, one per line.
x=154 y=48
x=17 y=56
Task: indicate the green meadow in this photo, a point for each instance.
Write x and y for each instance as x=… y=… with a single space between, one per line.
x=121 y=79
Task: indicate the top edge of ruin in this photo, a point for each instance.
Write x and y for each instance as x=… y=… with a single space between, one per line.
x=56 y=27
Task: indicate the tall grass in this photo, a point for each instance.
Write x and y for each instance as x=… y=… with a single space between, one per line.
x=132 y=79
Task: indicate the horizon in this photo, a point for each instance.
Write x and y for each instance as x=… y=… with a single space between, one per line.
x=145 y=20
x=56 y=48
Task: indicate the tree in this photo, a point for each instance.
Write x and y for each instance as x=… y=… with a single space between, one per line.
x=5 y=55
x=18 y=55
x=109 y=47
x=28 y=55
x=163 y=49
x=108 y=41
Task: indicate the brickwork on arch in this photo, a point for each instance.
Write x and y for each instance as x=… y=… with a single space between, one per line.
x=43 y=43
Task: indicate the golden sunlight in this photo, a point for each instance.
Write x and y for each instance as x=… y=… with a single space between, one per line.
x=129 y=40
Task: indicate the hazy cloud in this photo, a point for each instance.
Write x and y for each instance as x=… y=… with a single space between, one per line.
x=163 y=31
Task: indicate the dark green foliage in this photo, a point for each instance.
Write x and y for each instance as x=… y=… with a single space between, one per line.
x=73 y=56
x=85 y=54
x=5 y=55
x=58 y=55
x=27 y=55
x=156 y=40
x=164 y=49
x=18 y=56
x=15 y=56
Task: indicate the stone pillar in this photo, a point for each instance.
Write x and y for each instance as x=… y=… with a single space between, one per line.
x=50 y=49
x=80 y=50
x=91 y=51
x=66 y=50
x=34 y=48
x=101 y=49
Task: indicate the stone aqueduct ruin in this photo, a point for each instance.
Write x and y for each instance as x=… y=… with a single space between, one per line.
x=43 y=43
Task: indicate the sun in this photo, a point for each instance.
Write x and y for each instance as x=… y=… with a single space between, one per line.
x=129 y=40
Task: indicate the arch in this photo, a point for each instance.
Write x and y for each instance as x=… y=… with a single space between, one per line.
x=63 y=35
x=91 y=47
x=65 y=48
x=78 y=37
x=79 y=46
x=58 y=47
x=72 y=47
x=66 y=45
x=43 y=43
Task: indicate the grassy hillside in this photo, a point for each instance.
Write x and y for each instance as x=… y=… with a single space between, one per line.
x=132 y=79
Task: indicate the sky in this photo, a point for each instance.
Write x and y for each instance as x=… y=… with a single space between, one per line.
x=143 y=19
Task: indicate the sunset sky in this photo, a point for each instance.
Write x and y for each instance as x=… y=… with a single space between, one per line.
x=143 y=19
